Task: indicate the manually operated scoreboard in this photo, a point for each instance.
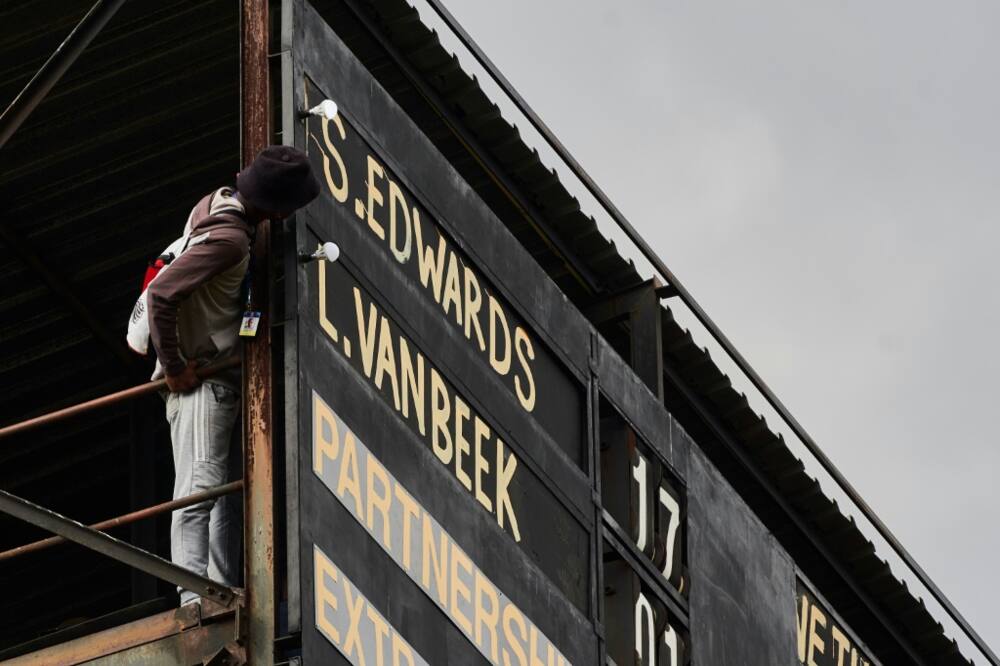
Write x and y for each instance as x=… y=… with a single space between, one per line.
x=479 y=436
x=447 y=419
x=474 y=475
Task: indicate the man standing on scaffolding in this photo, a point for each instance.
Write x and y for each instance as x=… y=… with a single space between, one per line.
x=195 y=313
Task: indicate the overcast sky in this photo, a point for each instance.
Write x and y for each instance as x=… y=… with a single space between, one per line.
x=825 y=179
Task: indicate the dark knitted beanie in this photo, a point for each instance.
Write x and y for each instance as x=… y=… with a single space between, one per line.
x=280 y=180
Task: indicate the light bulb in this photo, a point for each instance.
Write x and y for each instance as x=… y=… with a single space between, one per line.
x=331 y=251
x=325 y=109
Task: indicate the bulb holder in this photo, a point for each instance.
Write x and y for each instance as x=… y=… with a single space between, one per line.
x=326 y=109
x=328 y=251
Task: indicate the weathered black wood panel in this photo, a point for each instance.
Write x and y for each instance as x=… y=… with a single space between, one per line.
x=422 y=320
x=447 y=386
x=418 y=253
x=533 y=517
x=742 y=582
x=822 y=638
x=327 y=524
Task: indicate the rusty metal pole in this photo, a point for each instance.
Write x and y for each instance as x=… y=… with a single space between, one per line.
x=107 y=400
x=257 y=444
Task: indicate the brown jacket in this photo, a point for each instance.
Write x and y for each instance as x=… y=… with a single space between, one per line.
x=195 y=303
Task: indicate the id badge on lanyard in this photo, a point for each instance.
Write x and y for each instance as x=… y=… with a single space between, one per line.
x=251 y=317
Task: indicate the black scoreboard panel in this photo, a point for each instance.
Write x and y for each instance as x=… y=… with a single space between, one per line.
x=821 y=637
x=459 y=297
x=447 y=422
x=444 y=507
x=474 y=451
x=474 y=475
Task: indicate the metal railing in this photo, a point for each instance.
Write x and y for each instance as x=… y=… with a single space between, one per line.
x=129 y=518
x=728 y=347
x=109 y=399
x=92 y=537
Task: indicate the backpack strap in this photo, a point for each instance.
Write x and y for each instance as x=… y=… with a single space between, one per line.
x=210 y=208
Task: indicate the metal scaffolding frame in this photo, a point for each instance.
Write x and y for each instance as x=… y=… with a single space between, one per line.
x=92 y=537
x=123 y=552
x=258 y=443
x=129 y=518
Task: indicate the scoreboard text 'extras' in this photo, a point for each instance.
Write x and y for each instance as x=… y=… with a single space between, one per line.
x=482 y=318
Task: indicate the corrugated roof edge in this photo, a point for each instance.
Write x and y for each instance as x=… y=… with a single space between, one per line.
x=482 y=117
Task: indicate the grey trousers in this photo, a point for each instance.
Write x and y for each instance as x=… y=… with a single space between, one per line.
x=205 y=538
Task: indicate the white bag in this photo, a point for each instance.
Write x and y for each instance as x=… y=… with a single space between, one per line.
x=137 y=335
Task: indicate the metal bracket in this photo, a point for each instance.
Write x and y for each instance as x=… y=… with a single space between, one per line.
x=229 y=655
x=621 y=303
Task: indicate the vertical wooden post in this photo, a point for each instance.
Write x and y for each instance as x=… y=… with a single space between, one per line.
x=257 y=444
x=647 y=338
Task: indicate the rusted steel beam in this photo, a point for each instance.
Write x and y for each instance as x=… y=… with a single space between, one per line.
x=258 y=446
x=210 y=644
x=113 y=640
x=169 y=637
x=106 y=400
x=128 y=518
x=56 y=66
x=114 y=548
